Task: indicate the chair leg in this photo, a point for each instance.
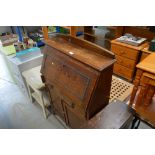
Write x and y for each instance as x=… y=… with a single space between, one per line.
x=44 y=112
x=29 y=92
x=136 y=84
x=43 y=106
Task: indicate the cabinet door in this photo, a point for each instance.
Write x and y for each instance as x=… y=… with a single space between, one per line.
x=73 y=117
x=56 y=102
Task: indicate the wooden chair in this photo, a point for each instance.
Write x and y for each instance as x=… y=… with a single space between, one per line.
x=36 y=89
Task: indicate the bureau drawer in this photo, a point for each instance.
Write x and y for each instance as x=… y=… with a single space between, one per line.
x=123 y=71
x=126 y=62
x=125 y=51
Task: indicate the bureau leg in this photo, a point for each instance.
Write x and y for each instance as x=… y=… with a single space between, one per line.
x=136 y=84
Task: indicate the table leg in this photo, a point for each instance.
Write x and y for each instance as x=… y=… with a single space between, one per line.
x=142 y=92
x=136 y=84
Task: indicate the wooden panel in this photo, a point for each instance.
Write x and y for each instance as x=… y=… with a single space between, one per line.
x=74 y=119
x=125 y=52
x=68 y=77
x=126 y=62
x=102 y=99
x=123 y=71
x=76 y=79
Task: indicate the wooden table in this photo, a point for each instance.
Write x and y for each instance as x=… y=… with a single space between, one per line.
x=142 y=95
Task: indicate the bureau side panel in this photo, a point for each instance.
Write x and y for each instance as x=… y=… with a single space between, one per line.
x=101 y=95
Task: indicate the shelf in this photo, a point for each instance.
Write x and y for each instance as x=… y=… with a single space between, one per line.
x=92 y=35
x=36 y=96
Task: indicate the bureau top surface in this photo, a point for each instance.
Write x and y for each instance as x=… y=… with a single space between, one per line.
x=80 y=52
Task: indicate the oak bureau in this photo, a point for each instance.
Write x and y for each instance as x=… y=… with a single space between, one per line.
x=78 y=77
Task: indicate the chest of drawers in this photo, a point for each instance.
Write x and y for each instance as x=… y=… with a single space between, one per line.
x=127 y=57
x=78 y=77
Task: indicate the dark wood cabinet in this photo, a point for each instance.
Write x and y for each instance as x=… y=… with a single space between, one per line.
x=78 y=76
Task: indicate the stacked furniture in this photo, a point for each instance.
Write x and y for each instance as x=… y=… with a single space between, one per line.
x=127 y=57
x=78 y=76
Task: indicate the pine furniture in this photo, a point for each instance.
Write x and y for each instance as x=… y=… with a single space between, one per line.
x=142 y=97
x=127 y=57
